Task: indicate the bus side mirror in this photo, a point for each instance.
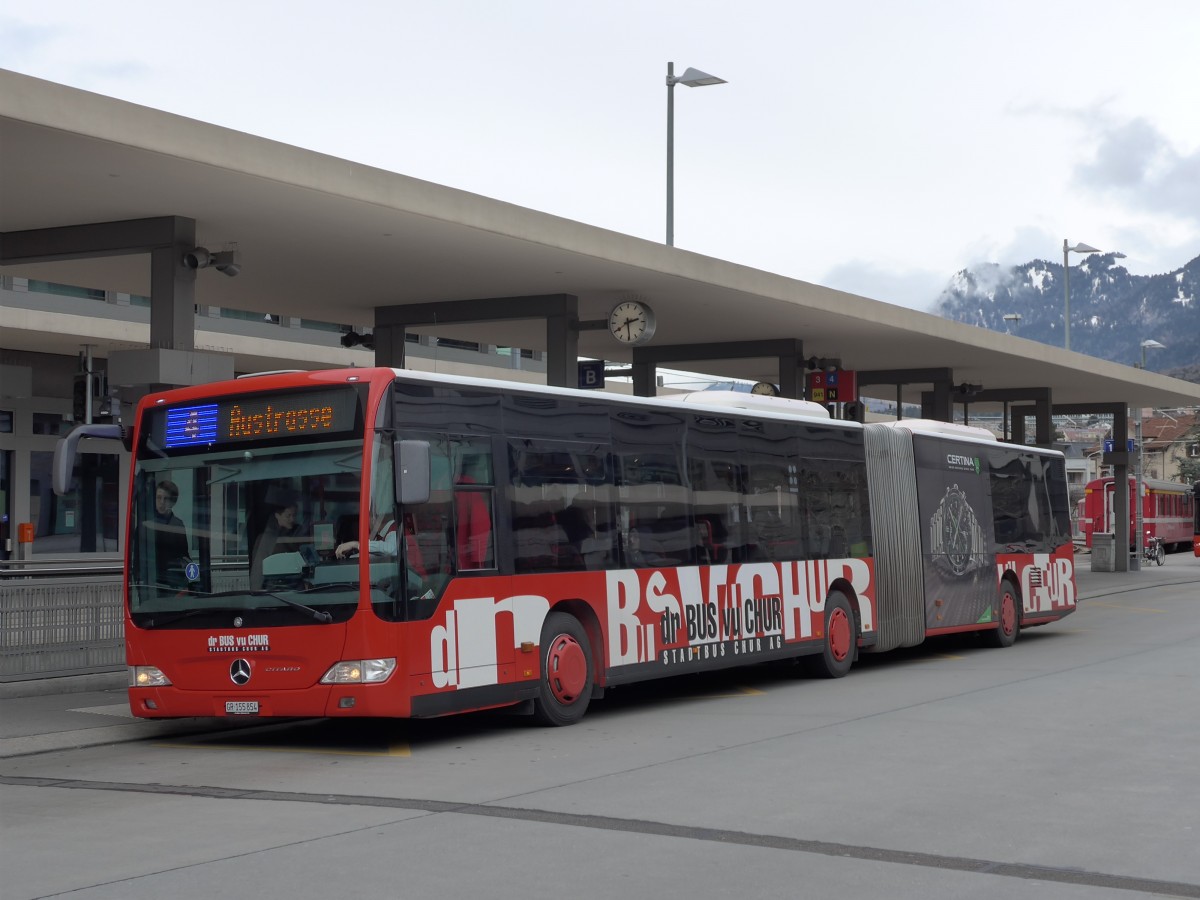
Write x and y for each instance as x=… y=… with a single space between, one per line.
x=65 y=449
x=412 y=472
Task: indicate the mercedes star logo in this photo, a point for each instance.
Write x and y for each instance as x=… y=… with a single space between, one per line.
x=239 y=671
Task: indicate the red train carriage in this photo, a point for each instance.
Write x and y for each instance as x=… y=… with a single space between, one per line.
x=1168 y=511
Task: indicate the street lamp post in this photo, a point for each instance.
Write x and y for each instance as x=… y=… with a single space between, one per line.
x=1078 y=248
x=1150 y=344
x=1135 y=560
x=691 y=78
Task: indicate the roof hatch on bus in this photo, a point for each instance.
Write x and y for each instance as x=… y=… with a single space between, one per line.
x=946 y=429
x=738 y=400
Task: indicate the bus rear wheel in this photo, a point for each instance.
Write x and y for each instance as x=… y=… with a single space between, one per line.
x=1008 y=619
x=565 y=684
x=841 y=640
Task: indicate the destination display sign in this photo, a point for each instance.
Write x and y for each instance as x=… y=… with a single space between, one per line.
x=256 y=418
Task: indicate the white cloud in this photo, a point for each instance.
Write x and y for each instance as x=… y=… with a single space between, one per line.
x=1135 y=161
x=914 y=289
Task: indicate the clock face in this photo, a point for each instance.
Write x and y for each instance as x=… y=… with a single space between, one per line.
x=765 y=388
x=631 y=322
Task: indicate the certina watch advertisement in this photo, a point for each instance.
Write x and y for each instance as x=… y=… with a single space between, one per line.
x=955 y=511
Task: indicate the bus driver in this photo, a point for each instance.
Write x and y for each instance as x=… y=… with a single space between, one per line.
x=384 y=538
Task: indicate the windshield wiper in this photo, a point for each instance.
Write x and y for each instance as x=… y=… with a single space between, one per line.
x=189 y=613
x=319 y=615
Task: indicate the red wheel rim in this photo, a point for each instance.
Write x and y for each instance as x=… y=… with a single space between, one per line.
x=566 y=669
x=840 y=634
x=1008 y=613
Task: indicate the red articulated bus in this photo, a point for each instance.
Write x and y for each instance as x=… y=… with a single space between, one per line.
x=374 y=542
x=1168 y=511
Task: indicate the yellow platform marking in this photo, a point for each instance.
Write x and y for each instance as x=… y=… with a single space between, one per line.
x=925 y=659
x=741 y=691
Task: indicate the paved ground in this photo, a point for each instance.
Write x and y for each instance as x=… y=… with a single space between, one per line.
x=1062 y=767
x=60 y=713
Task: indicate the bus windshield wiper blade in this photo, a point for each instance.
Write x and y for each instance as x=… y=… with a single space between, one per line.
x=319 y=615
x=189 y=613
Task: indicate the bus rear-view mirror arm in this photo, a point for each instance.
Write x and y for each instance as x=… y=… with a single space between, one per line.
x=64 y=450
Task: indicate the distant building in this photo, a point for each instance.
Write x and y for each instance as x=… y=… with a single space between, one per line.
x=1171 y=445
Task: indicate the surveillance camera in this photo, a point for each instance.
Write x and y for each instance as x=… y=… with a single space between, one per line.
x=227 y=262
x=199 y=258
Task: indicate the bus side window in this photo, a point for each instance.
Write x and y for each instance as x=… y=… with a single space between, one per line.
x=715 y=494
x=560 y=518
x=474 y=536
x=655 y=506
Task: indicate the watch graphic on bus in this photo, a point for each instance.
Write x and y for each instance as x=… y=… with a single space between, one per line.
x=954 y=531
x=631 y=322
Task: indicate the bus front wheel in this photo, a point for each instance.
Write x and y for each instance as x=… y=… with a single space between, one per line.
x=841 y=640
x=565 y=684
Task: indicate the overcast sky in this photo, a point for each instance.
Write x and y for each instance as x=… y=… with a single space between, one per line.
x=868 y=145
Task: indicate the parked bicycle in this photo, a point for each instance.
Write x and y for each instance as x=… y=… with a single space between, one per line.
x=1153 y=549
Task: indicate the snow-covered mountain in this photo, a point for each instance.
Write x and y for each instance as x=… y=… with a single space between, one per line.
x=1112 y=311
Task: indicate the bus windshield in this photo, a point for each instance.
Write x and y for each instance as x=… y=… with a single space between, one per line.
x=263 y=530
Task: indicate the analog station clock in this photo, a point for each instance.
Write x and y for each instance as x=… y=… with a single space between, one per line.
x=631 y=322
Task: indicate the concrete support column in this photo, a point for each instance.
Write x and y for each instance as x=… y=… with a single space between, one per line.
x=1120 y=463
x=938 y=404
x=562 y=357
x=389 y=346
x=173 y=293
x=645 y=377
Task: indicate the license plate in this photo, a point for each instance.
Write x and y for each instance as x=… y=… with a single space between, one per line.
x=241 y=707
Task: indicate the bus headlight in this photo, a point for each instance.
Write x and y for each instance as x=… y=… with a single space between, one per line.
x=147 y=676
x=360 y=671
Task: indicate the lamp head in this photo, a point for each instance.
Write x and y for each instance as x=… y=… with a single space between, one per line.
x=692 y=78
x=199 y=258
x=227 y=262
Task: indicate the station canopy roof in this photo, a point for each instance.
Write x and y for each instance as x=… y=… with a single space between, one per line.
x=327 y=239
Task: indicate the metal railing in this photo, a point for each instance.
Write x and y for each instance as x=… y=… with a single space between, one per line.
x=48 y=566
x=60 y=617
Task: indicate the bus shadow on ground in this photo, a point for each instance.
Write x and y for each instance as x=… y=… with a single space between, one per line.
x=377 y=737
